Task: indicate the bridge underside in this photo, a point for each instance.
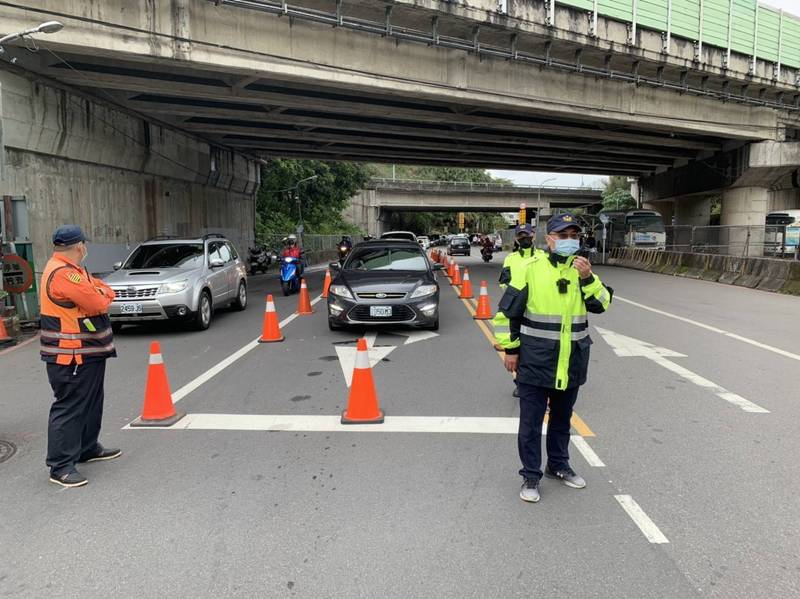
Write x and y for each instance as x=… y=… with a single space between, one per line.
x=276 y=87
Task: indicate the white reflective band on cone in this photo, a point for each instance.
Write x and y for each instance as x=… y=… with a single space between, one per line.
x=362 y=360
x=270 y=307
x=484 y=291
x=156 y=359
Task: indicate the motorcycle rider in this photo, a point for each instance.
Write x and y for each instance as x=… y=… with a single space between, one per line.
x=291 y=250
x=487 y=244
x=345 y=245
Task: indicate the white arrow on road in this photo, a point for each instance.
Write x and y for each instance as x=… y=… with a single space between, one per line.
x=347 y=357
x=414 y=336
x=629 y=347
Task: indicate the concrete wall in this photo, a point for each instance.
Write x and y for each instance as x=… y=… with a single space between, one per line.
x=121 y=178
x=694 y=211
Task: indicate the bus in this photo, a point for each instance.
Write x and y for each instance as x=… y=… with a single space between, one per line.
x=636 y=229
x=782 y=235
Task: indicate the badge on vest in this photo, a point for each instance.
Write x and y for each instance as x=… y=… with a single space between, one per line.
x=74 y=277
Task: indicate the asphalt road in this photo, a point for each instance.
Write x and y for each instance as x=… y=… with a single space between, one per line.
x=223 y=512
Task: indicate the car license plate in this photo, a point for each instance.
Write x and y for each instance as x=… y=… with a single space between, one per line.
x=130 y=308
x=380 y=311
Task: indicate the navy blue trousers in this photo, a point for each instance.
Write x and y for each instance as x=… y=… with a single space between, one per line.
x=532 y=406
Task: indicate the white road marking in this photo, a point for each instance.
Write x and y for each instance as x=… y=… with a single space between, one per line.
x=777 y=350
x=629 y=347
x=371 y=337
x=220 y=366
x=414 y=336
x=642 y=520
x=586 y=451
x=347 y=358
x=318 y=423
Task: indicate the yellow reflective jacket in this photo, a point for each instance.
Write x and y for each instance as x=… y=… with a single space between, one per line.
x=513 y=270
x=548 y=321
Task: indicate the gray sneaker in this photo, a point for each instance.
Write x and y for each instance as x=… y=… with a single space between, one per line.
x=567 y=476
x=530 y=490
x=69 y=479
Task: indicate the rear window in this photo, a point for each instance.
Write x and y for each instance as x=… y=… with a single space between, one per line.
x=459 y=241
x=166 y=255
x=386 y=259
x=406 y=236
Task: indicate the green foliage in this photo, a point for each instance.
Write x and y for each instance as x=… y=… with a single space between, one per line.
x=283 y=203
x=617 y=194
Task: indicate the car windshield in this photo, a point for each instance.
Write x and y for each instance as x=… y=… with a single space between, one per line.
x=387 y=259
x=646 y=223
x=166 y=255
x=398 y=235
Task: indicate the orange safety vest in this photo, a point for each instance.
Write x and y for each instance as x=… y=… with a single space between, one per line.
x=68 y=333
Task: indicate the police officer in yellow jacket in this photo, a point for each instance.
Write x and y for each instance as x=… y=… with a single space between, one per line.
x=549 y=349
x=76 y=340
x=514 y=264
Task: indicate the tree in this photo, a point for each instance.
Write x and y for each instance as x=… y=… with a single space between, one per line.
x=617 y=194
x=317 y=204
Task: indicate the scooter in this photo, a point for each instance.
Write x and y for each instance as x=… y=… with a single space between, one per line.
x=260 y=260
x=486 y=254
x=290 y=275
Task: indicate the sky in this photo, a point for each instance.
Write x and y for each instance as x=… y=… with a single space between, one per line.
x=535 y=178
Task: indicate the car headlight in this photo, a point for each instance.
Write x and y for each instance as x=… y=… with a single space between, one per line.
x=341 y=291
x=423 y=290
x=173 y=287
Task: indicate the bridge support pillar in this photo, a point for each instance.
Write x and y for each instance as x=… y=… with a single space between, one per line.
x=744 y=209
x=695 y=211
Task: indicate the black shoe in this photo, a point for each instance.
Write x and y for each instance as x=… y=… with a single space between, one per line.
x=530 y=490
x=69 y=479
x=567 y=476
x=102 y=455
x=515 y=392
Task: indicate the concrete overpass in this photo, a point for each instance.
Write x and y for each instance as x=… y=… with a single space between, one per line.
x=530 y=85
x=372 y=207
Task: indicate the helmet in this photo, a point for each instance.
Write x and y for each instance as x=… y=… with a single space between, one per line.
x=292 y=239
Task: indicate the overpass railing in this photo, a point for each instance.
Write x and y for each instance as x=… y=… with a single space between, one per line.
x=470 y=186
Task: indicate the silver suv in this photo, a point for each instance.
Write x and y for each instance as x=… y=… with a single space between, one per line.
x=180 y=279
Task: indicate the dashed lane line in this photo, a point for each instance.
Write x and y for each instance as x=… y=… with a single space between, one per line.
x=220 y=366
x=707 y=327
x=642 y=520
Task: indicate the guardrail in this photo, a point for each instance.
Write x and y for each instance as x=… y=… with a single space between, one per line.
x=422 y=184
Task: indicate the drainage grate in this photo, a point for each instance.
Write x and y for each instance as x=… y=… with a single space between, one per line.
x=7 y=449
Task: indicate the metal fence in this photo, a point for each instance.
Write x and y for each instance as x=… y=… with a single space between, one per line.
x=776 y=241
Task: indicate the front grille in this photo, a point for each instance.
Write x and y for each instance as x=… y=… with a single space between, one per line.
x=382 y=295
x=399 y=313
x=125 y=293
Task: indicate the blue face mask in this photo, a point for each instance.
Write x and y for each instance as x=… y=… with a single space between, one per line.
x=567 y=247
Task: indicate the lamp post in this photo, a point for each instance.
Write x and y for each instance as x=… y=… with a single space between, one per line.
x=538 y=239
x=46 y=27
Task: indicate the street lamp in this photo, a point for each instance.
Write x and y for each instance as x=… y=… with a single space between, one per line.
x=297 y=197
x=46 y=27
x=539 y=207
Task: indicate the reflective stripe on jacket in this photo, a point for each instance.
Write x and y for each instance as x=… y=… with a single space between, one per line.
x=513 y=271
x=74 y=319
x=551 y=328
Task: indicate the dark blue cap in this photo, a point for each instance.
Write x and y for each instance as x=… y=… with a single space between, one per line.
x=524 y=228
x=68 y=235
x=559 y=222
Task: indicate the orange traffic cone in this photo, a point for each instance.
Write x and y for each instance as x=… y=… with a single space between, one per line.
x=304 y=303
x=327 y=283
x=4 y=336
x=466 y=286
x=456 y=276
x=435 y=256
x=362 y=405
x=271 y=331
x=451 y=267
x=158 y=409
x=484 y=311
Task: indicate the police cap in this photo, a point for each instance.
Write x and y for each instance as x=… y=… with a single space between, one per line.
x=68 y=235
x=559 y=222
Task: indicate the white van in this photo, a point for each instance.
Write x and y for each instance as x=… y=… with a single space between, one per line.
x=783 y=232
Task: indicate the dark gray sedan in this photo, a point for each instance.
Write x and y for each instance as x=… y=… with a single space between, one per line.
x=384 y=282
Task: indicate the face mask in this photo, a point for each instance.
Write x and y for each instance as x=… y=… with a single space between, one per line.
x=567 y=247
x=525 y=242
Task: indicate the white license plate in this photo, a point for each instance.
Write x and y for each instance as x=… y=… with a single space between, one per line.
x=380 y=311
x=130 y=308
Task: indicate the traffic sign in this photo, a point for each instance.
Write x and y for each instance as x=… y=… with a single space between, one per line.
x=17 y=274
x=523 y=213
x=461 y=221
x=604 y=219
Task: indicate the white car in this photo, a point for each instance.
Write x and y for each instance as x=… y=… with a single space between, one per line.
x=424 y=242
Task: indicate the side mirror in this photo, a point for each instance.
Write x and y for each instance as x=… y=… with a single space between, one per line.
x=216 y=263
x=334 y=266
x=438 y=266
x=117 y=265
